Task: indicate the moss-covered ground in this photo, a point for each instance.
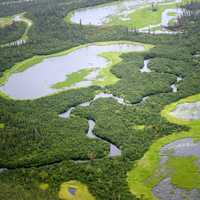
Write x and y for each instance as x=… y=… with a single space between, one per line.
x=182 y=170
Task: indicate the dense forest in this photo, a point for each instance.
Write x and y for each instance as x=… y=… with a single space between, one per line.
x=37 y=146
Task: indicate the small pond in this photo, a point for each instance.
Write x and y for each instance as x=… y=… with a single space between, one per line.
x=187 y=111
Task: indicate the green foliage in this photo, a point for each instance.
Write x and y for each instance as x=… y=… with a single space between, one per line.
x=184 y=172
x=5 y=22
x=73 y=78
x=44 y=148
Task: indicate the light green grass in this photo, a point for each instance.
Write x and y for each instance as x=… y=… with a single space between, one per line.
x=184 y=172
x=172 y=22
x=82 y=192
x=68 y=17
x=22 y=66
x=139 y=127
x=73 y=78
x=1 y=125
x=6 y=21
x=105 y=74
x=29 y=23
x=44 y=186
x=143 y=17
x=173 y=14
x=146 y=168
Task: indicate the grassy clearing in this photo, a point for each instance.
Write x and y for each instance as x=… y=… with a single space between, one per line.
x=44 y=186
x=139 y=127
x=81 y=193
x=29 y=23
x=105 y=74
x=185 y=172
x=6 y=21
x=143 y=17
x=146 y=167
x=1 y=125
x=73 y=78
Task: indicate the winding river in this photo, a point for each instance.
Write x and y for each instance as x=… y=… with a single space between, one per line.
x=37 y=80
x=114 y=150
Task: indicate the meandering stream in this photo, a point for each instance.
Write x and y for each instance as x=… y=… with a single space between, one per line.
x=114 y=150
x=120 y=100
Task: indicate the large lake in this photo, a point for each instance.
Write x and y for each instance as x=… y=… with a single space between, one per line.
x=37 y=81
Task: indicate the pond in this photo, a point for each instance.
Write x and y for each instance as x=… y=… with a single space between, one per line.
x=187 y=111
x=182 y=148
x=100 y=15
x=38 y=80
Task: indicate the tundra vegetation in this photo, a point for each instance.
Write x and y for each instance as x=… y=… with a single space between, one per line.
x=41 y=151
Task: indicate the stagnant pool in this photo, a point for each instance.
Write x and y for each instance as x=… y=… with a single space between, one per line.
x=37 y=81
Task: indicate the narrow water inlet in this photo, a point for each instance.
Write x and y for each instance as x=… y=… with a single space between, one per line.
x=67 y=114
